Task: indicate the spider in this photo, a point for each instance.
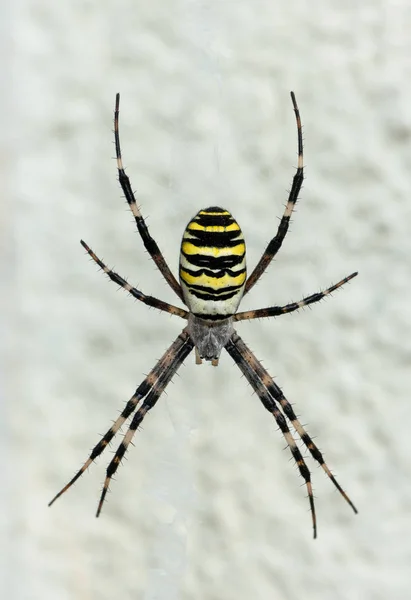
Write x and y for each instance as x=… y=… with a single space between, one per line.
x=213 y=280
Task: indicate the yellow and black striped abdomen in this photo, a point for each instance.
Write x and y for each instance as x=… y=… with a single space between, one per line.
x=212 y=264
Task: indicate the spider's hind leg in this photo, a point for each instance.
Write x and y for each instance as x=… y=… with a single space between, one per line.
x=276 y=243
x=149 y=242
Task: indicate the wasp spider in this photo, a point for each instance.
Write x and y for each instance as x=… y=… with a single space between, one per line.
x=213 y=279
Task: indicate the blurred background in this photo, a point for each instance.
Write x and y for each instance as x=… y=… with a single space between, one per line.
x=208 y=505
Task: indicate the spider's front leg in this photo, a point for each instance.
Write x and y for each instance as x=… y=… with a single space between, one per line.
x=148 y=392
x=272 y=398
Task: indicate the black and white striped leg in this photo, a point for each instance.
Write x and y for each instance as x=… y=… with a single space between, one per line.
x=171 y=362
x=275 y=311
x=262 y=382
x=275 y=244
x=237 y=350
x=164 y=369
x=149 y=243
x=149 y=300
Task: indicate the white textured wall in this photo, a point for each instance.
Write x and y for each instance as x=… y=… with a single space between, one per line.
x=208 y=505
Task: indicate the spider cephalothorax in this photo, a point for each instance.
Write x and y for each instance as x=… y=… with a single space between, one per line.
x=213 y=279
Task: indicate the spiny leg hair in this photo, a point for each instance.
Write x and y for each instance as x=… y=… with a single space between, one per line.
x=157 y=380
x=149 y=243
x=237 y=353
x=149 y=300
x=174 y=361
x=275 y=311
x=276 y=243
x=266 y=389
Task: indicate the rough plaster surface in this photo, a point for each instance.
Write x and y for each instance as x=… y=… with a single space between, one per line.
x=208 y=505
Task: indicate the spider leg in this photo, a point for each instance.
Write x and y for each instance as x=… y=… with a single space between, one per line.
x=275 y=311
x=275 y=244
x=172 y=360
x=149 y=300
x=164 y=369
x=149 y=243
x=255 y=372
x=288 y=410
x=241 y=356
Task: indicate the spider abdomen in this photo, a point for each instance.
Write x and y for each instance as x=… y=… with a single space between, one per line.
x=213 y=263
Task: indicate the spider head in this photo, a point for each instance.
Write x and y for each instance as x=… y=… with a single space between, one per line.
x=209 y=337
